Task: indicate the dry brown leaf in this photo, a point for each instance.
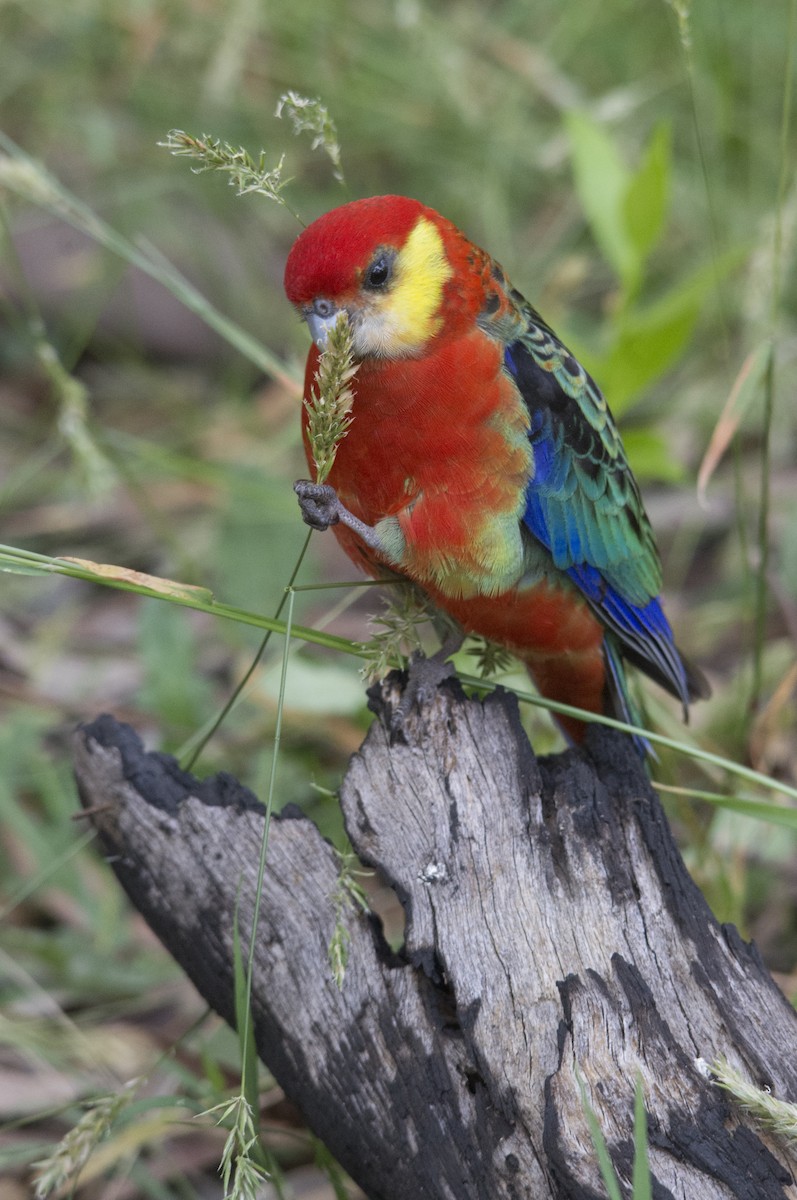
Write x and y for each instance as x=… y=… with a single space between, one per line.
x=742 y=392
x=153 y=583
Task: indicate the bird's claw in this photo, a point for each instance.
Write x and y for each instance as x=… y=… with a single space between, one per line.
x=318 y=502
x=424 y=677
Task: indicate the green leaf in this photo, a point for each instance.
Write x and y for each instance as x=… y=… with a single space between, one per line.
x=602 y=182
x=648 y=342
x=184 y=595
x=650 y=456
x=9 y=567
x=646 y=345
x=645 y=202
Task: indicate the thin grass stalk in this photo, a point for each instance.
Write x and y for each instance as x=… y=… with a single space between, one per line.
x=204 y=737
x=242 y=1162
x=41 y=563
x=683 y=13
x=761 y=592
x=261 y=869
x=641 y=1182
x=28 y=179
x=605 y=1164
x=764 y=548
x=40 y=878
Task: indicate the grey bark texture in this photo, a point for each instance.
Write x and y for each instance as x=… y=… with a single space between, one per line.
x=552 y=933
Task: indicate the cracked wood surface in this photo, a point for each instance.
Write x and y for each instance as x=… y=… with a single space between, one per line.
x=551 y=930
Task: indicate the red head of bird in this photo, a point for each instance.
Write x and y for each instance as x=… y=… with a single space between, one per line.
x=393 y=265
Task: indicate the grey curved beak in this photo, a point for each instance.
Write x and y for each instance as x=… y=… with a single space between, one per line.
x=320 y=326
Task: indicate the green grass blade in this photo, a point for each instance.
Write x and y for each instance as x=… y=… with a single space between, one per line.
x=202 y=600
x=250 y=1089
x=29 y=180
x=12 y=559
x=608 y=1173
x=326 y=1163
x=249 y=1057
x=761 y=594
x=659 y=739
x=243 y=970
x=243 y=1019
x=642 y=1188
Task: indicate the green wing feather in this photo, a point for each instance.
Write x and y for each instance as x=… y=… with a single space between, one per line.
x=584 y=506
x=586 y=498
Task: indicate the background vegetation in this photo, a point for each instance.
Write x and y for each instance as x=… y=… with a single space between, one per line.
x=631 y=165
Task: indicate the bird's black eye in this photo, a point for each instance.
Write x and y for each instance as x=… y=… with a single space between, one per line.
x=378 y=273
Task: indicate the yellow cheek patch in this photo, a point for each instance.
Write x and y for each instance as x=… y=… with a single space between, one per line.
x=402 y=321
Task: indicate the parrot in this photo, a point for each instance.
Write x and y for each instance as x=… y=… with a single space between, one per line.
x=482 y=461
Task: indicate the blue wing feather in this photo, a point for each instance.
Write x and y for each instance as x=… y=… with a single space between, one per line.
x=583 y=505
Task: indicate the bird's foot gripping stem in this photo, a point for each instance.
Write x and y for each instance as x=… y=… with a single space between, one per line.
x=319 y=503
x=424 y=676
x=321 y=507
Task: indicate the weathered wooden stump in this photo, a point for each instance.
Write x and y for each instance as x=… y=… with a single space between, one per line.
x=551 y=930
